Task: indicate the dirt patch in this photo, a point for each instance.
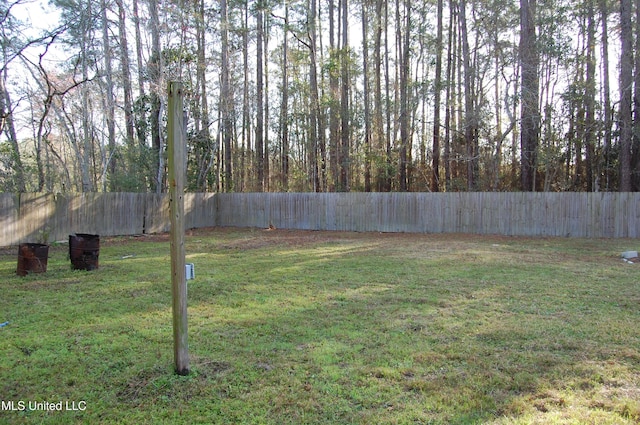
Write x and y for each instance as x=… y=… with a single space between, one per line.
x=264 y=238
x=123 y=240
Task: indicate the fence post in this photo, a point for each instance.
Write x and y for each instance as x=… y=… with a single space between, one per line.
x=177 y=174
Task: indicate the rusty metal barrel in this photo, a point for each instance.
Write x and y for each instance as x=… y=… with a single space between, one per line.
x=84 y=250
x=32 y=258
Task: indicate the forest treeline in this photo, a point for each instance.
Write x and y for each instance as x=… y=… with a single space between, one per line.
x=322 y=95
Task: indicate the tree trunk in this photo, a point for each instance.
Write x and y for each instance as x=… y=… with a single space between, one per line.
x=204 y=134
x=314 y=113
x=334 y=101
x=126 y=75
x=605 y=163
x=246 y=160
x=626 y=86
x=8 y=127
x=388 y=164
x=141 y=119
x=366 y=94
x=345 y=183
x=469 y=110
x=226 y=99
x=266 y=179
x=284 y=108
x=404 y=95
x=635 y=147
x=437 y=86
x=378 y=120
x=109 y=100
x=155 y=76
x=449 y=97
x=590 y=96
x=529 y=107
x=259 y=98
x=87 y=130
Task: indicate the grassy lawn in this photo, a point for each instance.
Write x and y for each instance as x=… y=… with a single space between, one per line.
x=290 y=327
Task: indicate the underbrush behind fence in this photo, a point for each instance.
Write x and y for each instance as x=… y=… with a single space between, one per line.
x=39 y=217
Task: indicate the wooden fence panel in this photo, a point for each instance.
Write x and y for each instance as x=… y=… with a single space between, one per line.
x=35 y=209
x=9 y=219
x=156 y=213
x=60 y=222
x=83 y=214
x=200 y=210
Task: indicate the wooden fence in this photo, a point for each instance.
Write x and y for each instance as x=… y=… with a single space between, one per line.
x=38 y=217
x=50 y=217
x=609 y=215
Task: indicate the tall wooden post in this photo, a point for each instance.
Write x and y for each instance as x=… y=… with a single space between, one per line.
x=177 y=174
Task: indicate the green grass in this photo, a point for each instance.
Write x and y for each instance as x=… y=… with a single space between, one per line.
x=329 y=328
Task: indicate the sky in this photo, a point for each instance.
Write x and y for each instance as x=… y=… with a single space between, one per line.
x=37 y=13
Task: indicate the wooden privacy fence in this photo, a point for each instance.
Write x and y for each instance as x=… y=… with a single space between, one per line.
x=39 y=217
x=36 y=217
x=610 y=215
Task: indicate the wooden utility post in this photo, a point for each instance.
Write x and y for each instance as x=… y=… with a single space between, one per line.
x=177 y=174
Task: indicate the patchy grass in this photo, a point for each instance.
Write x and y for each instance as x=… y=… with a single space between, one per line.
x=289 y=327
